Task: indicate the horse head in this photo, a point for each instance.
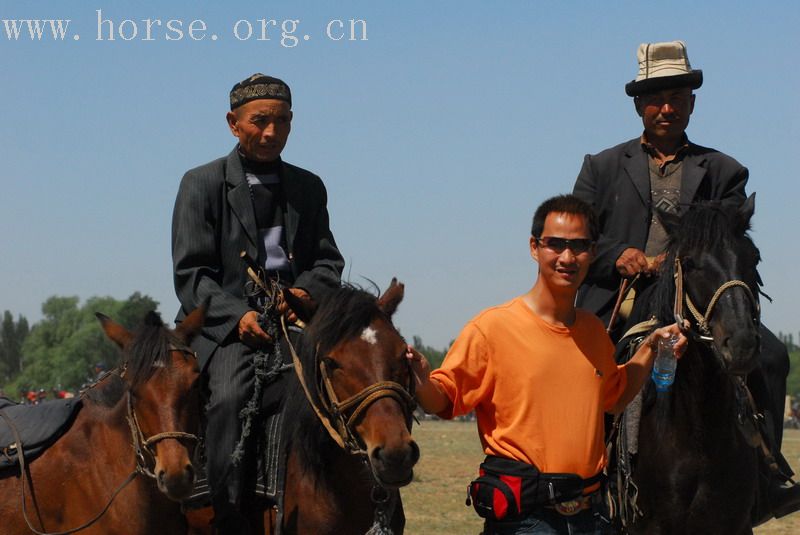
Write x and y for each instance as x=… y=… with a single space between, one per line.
x=712 y=261
x=364 y=384
x=161 y=374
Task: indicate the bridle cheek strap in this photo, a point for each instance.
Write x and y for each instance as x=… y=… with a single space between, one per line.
x=358 y=404
x=703 y=319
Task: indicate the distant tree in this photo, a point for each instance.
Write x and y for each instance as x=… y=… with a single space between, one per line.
x=434 y=356
x=793 y=381
x=63 y=347
x=12 y=336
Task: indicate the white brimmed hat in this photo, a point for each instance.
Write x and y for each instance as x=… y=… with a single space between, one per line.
x=663 y=66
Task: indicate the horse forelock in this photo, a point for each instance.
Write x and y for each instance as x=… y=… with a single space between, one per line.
x=711 y=227
x=149 y=349
x=343 y=314
x=705 y=229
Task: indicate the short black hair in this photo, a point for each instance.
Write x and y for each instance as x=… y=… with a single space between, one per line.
x=565 y=204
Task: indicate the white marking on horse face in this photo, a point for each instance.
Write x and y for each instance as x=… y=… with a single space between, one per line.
x=369 y=335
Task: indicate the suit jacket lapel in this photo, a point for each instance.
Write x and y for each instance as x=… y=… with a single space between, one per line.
x=239 y=198
x=693 y=174
x=638 y=170
x=293 y=195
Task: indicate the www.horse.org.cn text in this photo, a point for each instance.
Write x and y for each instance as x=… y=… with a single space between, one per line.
x=283 y=32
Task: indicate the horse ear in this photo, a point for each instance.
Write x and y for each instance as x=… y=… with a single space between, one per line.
x=670 y=221
x=192 y=324
x=391 y=298
x=304 y=308
x=746 y=211
x=115 y=332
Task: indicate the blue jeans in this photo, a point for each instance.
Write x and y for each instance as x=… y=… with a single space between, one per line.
x=550 y=522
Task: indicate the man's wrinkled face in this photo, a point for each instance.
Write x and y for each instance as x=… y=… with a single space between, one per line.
x=262 y=127
x=665 y=114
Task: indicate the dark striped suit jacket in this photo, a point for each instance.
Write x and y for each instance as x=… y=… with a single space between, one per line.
x=214 y=220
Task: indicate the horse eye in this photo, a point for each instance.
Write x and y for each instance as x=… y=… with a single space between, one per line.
x=330 y=363
x=689 y=264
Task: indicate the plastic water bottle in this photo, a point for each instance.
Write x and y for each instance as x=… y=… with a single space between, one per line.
x=665 y=363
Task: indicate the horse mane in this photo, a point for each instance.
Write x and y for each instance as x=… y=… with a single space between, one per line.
x=149 y=347
x=342 y=314
x=711 y=228
x=707 y=226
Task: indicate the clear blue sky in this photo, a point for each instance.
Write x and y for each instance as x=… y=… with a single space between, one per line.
x=437 y=136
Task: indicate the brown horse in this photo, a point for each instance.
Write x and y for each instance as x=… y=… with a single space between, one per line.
x=350 y=404
x=129 y=448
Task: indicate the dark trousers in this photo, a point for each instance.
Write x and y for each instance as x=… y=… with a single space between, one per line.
x=769 y=390
x=230 y=380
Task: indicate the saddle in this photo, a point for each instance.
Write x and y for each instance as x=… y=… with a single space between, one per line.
x=32 y=428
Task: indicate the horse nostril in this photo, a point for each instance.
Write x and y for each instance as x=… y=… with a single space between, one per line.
x=414 y=452
x=377 y=455
x=189 y=471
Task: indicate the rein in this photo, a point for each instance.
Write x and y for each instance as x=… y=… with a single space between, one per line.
x=141 y=444
x=334 y=418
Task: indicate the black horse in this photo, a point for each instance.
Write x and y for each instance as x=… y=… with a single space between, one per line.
x=696 y=467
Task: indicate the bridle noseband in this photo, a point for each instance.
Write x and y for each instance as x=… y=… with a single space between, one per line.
x=702 y=320
x=346 y=413
x=144 y=447
x=140 y=446
x=339 y=417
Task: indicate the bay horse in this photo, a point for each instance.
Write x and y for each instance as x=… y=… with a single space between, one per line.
x=350 y=404
x=696 y=468
x=125 y=462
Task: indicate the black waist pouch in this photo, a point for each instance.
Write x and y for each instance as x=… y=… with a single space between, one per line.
x=506 y=488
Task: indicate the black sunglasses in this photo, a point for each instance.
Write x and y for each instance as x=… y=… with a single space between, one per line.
x=558 y=245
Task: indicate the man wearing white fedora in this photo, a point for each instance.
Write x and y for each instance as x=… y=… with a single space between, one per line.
x=662 y=169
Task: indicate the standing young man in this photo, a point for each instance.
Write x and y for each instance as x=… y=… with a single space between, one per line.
x=540 y=373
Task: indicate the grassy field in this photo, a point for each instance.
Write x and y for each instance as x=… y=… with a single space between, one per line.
x=451 y=453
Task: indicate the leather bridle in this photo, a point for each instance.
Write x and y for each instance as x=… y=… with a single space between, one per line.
x=339 y=417
x=703 y=320
x=144 y=447
x=141 y=445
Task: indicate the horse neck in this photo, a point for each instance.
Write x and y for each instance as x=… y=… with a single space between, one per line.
x=702 y=400
x=328 y=486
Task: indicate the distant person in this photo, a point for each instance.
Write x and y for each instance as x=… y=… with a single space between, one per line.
x=663 y=169
x=253 y=201
x=540 y=374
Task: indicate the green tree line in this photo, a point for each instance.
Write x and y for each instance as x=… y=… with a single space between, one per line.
x=60 y=350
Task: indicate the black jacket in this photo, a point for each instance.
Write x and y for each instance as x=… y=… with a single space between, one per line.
x=616 y=182
x=214 y=220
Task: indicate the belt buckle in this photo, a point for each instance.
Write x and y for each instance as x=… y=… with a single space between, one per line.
x=570 y=507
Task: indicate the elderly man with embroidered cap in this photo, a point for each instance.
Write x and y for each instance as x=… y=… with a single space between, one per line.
x=662 y=169
x=252 y=201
